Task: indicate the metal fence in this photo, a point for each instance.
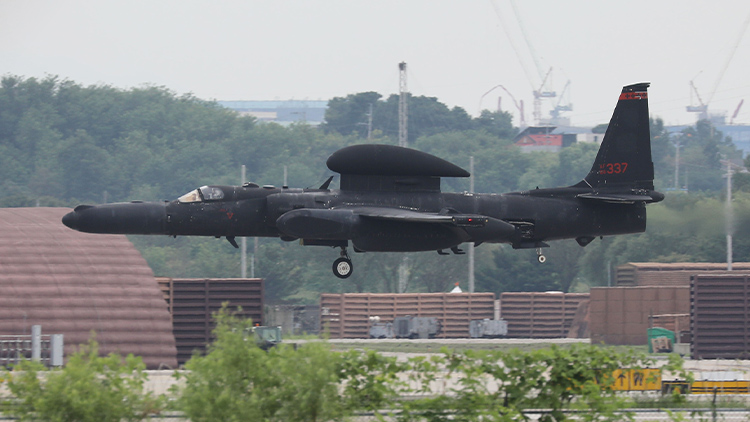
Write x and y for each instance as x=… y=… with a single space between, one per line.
x=47 y=349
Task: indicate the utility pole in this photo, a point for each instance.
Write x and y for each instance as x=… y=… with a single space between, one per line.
x=729 y=215
x=243 y=244
x=369 y=123
x=403 y=268
x=402 y=108
x=677 y=165
x=471 y=245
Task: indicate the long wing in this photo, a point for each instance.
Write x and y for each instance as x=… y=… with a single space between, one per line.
x=406 y=215
x=345 y=222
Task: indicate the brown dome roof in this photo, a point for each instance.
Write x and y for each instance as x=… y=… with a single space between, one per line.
x=73 y=283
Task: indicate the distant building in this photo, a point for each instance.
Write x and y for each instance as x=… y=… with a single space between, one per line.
x=549 y=138
x=281 y=112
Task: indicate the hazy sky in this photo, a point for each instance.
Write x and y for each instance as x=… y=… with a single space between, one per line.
x=455 y=50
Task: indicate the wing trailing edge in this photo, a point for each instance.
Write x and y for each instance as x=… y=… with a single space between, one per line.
x=614 y=198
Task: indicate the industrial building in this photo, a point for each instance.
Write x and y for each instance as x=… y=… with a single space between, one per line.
x=281 y=112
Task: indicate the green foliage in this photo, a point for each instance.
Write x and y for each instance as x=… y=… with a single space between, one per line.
x=238 y=381
x=574 y=163
x=701 y=149
x=500 y=386
x=427 y=117
x=87 y=388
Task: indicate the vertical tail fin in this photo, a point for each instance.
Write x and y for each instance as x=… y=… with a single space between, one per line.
x=624 y=158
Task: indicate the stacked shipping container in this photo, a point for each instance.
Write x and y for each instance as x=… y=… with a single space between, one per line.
x=540 y=315
x=669 y=274
x=620 y=315
x=192 y=303
x=720 y=316
x=348 y=315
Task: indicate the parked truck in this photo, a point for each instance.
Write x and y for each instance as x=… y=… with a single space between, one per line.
x=488 y=328
x=416 y=327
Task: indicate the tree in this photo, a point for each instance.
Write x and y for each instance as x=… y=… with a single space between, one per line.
x=438 y=274
x=574 y=163
x=346 y=115
x=427 y=116
x=516 y=271
x=85 y=167
x=497 y=123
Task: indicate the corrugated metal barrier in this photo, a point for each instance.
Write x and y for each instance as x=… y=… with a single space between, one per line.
x=348 y=315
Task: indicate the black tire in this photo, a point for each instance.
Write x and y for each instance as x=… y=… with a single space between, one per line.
x=542 y=259
x=342 y=268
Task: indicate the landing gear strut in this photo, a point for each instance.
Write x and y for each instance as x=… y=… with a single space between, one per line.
x=541 y=258
x=342 y=267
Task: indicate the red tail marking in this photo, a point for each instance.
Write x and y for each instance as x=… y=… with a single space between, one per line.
x=634 y=96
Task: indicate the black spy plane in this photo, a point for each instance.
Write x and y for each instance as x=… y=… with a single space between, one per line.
x=390 y=201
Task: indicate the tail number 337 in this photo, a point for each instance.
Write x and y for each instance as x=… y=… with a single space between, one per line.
x=612 y=168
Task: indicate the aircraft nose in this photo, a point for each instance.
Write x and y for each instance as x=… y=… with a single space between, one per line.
x=71 y=220
x=119 y=218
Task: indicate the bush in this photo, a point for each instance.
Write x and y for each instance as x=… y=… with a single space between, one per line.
x=238 y=381
x=88 y=388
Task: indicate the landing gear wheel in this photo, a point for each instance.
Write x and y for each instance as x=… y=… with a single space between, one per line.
x=539 y=257
x=342 y=267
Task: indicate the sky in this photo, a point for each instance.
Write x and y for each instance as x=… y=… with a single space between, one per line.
x=458 y=51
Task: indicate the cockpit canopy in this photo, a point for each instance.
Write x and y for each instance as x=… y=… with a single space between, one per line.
x=203 y=193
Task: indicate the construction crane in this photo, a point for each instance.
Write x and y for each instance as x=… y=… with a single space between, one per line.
x=559 y=107
x=518 y=104
x=736 y=111
x=702 y=107
x=539 y=93
x=541 y=90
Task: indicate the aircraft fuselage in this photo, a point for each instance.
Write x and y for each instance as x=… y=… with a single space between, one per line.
x=535 y=215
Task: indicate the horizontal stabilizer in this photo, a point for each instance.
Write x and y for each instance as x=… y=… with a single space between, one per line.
x=622 y=198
